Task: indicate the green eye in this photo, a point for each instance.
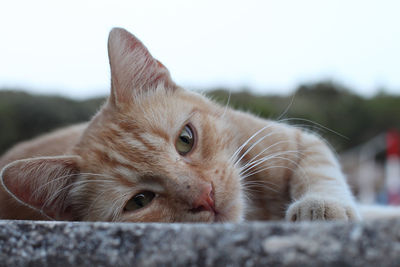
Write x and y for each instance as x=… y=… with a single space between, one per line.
x=185 y=141
x=139 y=201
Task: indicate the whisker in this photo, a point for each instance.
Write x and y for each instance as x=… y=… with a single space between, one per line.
x=304 y=173
x=297 y=155
x=266 y=168
x=246 y=197
x=250 y=190
x=64 y=177
x=246 y=183
x=227 y=103
x=249 y=162
x=247 y=141
x=253 y=145
x=36 y=191
x=58 y=192
x=315 y=123
x=287 y=108
x=262 y=190
x=94 y=201
x=260 y=184
x=270 y=157
x=117 y=211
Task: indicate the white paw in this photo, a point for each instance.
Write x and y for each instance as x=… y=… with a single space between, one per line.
x=322 y=208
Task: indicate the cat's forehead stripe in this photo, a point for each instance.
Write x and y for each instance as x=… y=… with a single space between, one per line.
x=160 y=133
x=195 y=111
x=198 y=110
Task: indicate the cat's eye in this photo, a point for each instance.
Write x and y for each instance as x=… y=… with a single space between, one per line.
x=186 y=139
x=139 y=201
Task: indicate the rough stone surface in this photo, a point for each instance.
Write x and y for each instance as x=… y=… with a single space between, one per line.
x=26 y=243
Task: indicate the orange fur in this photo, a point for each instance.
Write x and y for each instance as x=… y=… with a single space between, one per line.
x=129 y=147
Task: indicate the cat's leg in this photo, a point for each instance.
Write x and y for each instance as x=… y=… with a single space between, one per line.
x=317 y=186
x=373 y=212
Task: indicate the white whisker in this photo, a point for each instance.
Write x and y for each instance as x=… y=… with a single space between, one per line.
x=315 y=123
x=253 y=145
x=116 y=207
x=64 y=177
x=266 y=168
x=94 y=201
x=287 y=108
x=246 y=142
x=73 y=184
x=264 y=184
x=262 y=152
x=227 y=104
x=270 y=157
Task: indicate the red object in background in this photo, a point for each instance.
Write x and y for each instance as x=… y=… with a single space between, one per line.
x=394 y=199
x=393 y=143
x=393 y=167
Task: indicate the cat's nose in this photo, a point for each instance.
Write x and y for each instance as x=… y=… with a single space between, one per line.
x=205 y=200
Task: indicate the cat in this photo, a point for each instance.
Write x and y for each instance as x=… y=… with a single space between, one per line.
x=158 y=153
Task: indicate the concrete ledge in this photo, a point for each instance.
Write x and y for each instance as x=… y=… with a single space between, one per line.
x=26 y=243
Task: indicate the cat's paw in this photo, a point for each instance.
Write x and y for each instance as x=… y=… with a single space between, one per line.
x=322 y=208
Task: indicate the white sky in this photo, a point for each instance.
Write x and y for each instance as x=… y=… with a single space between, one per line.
x=271 y=46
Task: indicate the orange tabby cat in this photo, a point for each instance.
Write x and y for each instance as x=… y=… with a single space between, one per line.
x=156 y=152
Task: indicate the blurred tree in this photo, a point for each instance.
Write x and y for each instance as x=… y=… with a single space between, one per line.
x=23 y=116
x=330 y=109
x=325 y=107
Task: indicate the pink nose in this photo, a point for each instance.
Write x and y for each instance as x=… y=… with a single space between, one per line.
x=205 y=200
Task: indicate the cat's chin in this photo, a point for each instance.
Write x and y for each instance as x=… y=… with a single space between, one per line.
x=230 y=215
x=215 y=217
x=219 y=218
x=229 y=210
x=225 y=218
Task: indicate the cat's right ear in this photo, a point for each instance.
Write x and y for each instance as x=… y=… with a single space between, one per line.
x=133 y=69
x=42 y=184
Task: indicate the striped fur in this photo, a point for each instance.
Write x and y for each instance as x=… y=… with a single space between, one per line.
x=258 y=169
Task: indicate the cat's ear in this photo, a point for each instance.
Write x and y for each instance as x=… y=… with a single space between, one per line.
x=133 y=68
x=42 y=183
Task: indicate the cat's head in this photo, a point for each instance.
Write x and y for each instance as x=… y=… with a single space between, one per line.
x=154 y=152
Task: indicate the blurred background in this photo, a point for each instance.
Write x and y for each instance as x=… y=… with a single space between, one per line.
x=331 y=67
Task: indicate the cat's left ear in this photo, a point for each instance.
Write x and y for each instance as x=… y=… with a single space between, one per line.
x=133 y=69
x=42 y=184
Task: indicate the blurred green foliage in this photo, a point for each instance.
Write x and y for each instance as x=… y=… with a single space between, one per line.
x=23 y=115
x=327 y=108
x=343 y=118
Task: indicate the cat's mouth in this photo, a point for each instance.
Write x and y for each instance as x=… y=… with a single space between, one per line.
x=209 y=213
x=213 y=216
x=228 y=211
x=202 y=208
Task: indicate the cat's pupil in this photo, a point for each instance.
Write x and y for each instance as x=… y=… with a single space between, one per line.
x=185 y=139
x=184 y=143
x=139 y=201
